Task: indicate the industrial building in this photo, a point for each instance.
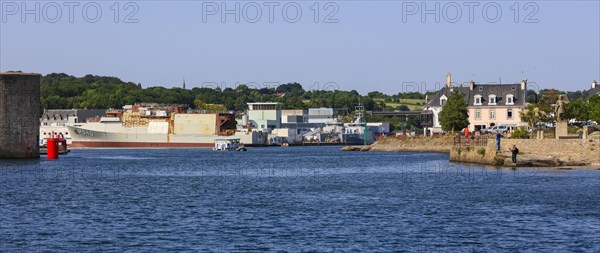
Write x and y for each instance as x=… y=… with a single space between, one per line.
x=322 y=115
x=264 y=116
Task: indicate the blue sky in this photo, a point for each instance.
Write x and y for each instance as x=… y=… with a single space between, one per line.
x=374 y=45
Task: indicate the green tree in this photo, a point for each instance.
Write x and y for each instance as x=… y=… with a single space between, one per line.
x=294 y=88
x=577 y=95
x=454 y=115
x=577 y=109
x=548 y=98
x=376 y=94
x=532 y=96
x=594 y=108
x=411 y=95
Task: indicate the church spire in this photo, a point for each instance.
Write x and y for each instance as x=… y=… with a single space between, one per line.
x=184 y=83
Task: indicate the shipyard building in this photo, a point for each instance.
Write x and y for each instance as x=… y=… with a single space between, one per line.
x=315 y=125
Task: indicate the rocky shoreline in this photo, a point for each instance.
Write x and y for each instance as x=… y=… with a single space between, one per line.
x=504 y=159
x=415 y=144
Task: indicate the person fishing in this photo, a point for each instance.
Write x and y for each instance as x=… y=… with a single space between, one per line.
x=515 y=151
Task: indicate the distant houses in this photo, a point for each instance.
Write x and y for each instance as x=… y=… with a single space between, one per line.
x=488 y=104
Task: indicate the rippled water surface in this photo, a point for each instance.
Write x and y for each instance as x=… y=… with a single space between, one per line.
x=293 y=199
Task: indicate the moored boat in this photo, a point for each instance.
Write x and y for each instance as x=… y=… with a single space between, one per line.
x=163 y=127
x=228 y=144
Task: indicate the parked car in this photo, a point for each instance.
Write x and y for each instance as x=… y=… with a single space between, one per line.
x=495 y=129
x=590 y=123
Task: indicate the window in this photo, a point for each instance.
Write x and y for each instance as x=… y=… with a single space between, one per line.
x=443 y=100
x=477 y=114
x=493 y=114
x=509 y=114
x=492 y=100
x=510 y=100
x=480 y=88
x=477 y=100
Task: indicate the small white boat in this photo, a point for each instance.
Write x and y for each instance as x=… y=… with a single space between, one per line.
x=228 y=144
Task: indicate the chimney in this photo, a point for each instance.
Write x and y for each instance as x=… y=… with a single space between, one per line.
x=448 y=80
x=594 y=84
x=524 y=85
x=471 y=85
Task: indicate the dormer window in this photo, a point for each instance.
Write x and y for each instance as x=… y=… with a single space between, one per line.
x=443 y=100
x=477 y=100
x=492 y=100
x=510 y=99
x=480 y=88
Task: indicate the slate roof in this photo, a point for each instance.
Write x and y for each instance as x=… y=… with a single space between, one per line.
x=500 y=90
x=434 y=101
x=594 y=91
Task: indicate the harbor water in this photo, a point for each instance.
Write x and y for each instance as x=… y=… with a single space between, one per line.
x=296 y=199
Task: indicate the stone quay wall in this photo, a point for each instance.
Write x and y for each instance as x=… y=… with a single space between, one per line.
x=534 y=152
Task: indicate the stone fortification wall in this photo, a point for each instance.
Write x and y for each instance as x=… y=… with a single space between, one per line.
x=19 y=115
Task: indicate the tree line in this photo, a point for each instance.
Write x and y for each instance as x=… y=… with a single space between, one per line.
x=62 y=91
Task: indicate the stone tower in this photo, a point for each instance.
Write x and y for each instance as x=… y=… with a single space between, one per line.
x=19 y=115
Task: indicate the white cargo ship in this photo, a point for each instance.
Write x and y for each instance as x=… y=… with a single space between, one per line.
x=142 y=127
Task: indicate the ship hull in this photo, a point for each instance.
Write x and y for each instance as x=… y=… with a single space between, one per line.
x=357 y=139
x=97 y=135
x=114 y=144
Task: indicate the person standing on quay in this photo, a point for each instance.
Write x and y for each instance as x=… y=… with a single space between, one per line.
x=515 y=151
x=498 y=136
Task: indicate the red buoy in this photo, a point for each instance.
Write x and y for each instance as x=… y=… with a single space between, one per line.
x=52 y=145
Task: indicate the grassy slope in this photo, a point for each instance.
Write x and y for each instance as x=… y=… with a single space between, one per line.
x=411 y=103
